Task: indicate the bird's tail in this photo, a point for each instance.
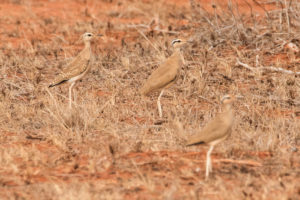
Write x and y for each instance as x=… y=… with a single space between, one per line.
x=58 y=83
x=144 y=91
x=194 y=140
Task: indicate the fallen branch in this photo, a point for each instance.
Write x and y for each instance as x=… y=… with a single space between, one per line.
x=246 y=66
x=279 y=69
x=276 y=69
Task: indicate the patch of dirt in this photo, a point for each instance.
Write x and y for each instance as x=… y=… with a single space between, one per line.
x=112 y=145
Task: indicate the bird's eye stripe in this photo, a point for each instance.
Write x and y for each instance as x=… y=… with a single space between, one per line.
x=176 y=40
x=226 y=97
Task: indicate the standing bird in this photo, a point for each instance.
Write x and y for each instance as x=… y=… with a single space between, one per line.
x=215 y=131
x=165 y=74
x=77 y=68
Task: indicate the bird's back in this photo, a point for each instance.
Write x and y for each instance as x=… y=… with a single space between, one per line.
x=79 y=65
x=163 y=75
x=217 y=129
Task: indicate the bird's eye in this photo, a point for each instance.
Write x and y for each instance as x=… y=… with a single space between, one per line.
x=89 y=35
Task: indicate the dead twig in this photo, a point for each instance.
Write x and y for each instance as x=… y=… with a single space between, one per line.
x=279 y=69
x=276 y=69
x=287 y=16
x=240 y=162
x=239 y=63
x=262 y=7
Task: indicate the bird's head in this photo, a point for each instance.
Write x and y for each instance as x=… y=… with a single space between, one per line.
x=87 y=36
x=177 y=43
x=227 y=99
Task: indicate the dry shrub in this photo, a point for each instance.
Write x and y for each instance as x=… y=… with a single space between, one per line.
x=110 y=119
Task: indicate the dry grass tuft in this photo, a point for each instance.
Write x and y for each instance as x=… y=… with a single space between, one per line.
x=111 y=145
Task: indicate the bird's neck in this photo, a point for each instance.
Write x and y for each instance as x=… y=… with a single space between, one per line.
x=177 y=53
x=87 y=51
x=177 y=50
x=87 y=44
x=228 y=114
x=226 y=107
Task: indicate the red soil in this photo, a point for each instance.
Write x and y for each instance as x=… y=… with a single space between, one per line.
x=39 y=16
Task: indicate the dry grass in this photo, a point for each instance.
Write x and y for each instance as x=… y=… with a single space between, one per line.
x=112 y=145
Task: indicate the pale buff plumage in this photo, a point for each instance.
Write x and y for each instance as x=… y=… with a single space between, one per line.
x=77 y=68
x=215 y=131
x=165 y=74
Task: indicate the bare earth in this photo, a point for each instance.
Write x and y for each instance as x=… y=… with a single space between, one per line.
x=112 y=144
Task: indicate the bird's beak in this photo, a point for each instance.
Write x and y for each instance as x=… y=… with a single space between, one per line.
x=100 y=35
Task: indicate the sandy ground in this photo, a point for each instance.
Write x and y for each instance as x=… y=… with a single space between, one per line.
x=112 y=144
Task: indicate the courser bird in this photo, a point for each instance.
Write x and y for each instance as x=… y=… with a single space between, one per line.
x=77 y=68
x=215 y=131
x=166 y=74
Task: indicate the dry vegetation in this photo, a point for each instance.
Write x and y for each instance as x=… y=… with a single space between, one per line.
x=112 y=145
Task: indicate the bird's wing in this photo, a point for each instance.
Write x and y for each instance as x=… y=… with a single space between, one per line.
x=77 y=66
x=162 y=76
x=215 y=129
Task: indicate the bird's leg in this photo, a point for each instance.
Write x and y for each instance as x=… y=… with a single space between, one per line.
x=208 y=162
x=210 y=166
x=158 y=103
x=70 y=94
